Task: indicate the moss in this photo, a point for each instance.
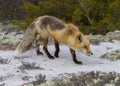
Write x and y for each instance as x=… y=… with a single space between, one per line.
x=12 y=40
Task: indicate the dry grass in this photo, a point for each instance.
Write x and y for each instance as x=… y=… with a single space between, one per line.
x=30 y=66
x=39 y=79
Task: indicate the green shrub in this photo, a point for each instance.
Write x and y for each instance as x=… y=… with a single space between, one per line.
x=89 y=15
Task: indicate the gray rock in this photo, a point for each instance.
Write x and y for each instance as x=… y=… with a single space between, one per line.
x=114 y=55
x=9 y=28
x=109 y=37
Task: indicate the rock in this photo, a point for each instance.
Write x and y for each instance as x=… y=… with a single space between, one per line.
x=9 y=40
x=5 y=22
x=114 y=55
x=109 y=37
x=113 y=35
x=9 y=27
x=48 y=83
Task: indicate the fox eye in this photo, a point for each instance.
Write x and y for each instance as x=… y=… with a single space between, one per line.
x=79 y=38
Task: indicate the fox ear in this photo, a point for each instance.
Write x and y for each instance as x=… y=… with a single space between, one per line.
x=79 y=38
x=70 y=29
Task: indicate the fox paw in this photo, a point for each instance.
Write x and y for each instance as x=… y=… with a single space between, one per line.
x=77 y=62
x=39 y=53
x=56 y=55
x=51 y=57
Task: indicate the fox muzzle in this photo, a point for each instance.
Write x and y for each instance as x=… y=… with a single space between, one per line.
x=89 y=53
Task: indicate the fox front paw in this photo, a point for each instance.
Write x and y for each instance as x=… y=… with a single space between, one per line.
x=51 y=57
x=39 y=53
x=77 y=62
x=56 y=55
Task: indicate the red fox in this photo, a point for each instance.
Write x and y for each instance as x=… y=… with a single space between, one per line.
x=49 y=26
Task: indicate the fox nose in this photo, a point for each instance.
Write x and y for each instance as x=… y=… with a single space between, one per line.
x=90 y=53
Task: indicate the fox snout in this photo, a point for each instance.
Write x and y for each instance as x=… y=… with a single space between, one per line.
x=90 y=53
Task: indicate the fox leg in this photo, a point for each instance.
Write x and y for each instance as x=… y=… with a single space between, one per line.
x=74 y=57
x=46 y=50
x=57 y=49
x=37 y=48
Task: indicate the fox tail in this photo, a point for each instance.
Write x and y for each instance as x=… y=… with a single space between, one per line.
x=26 y=42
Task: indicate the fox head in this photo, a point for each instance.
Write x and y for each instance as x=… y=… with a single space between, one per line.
x=78 y=41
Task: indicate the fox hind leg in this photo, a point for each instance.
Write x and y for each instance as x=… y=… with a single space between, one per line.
x=57 y=49
x=37 y=48
x=45 y=41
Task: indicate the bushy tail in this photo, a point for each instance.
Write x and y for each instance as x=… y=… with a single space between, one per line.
x=26 y=42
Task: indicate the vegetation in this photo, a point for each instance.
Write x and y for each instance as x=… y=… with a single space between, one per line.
x=11 y=9
x=91 y=16
x=92 y=78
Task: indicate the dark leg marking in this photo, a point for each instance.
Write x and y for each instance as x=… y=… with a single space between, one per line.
x=37 y=48
x=46 y=50
x=74 y=57
x=57 y=49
